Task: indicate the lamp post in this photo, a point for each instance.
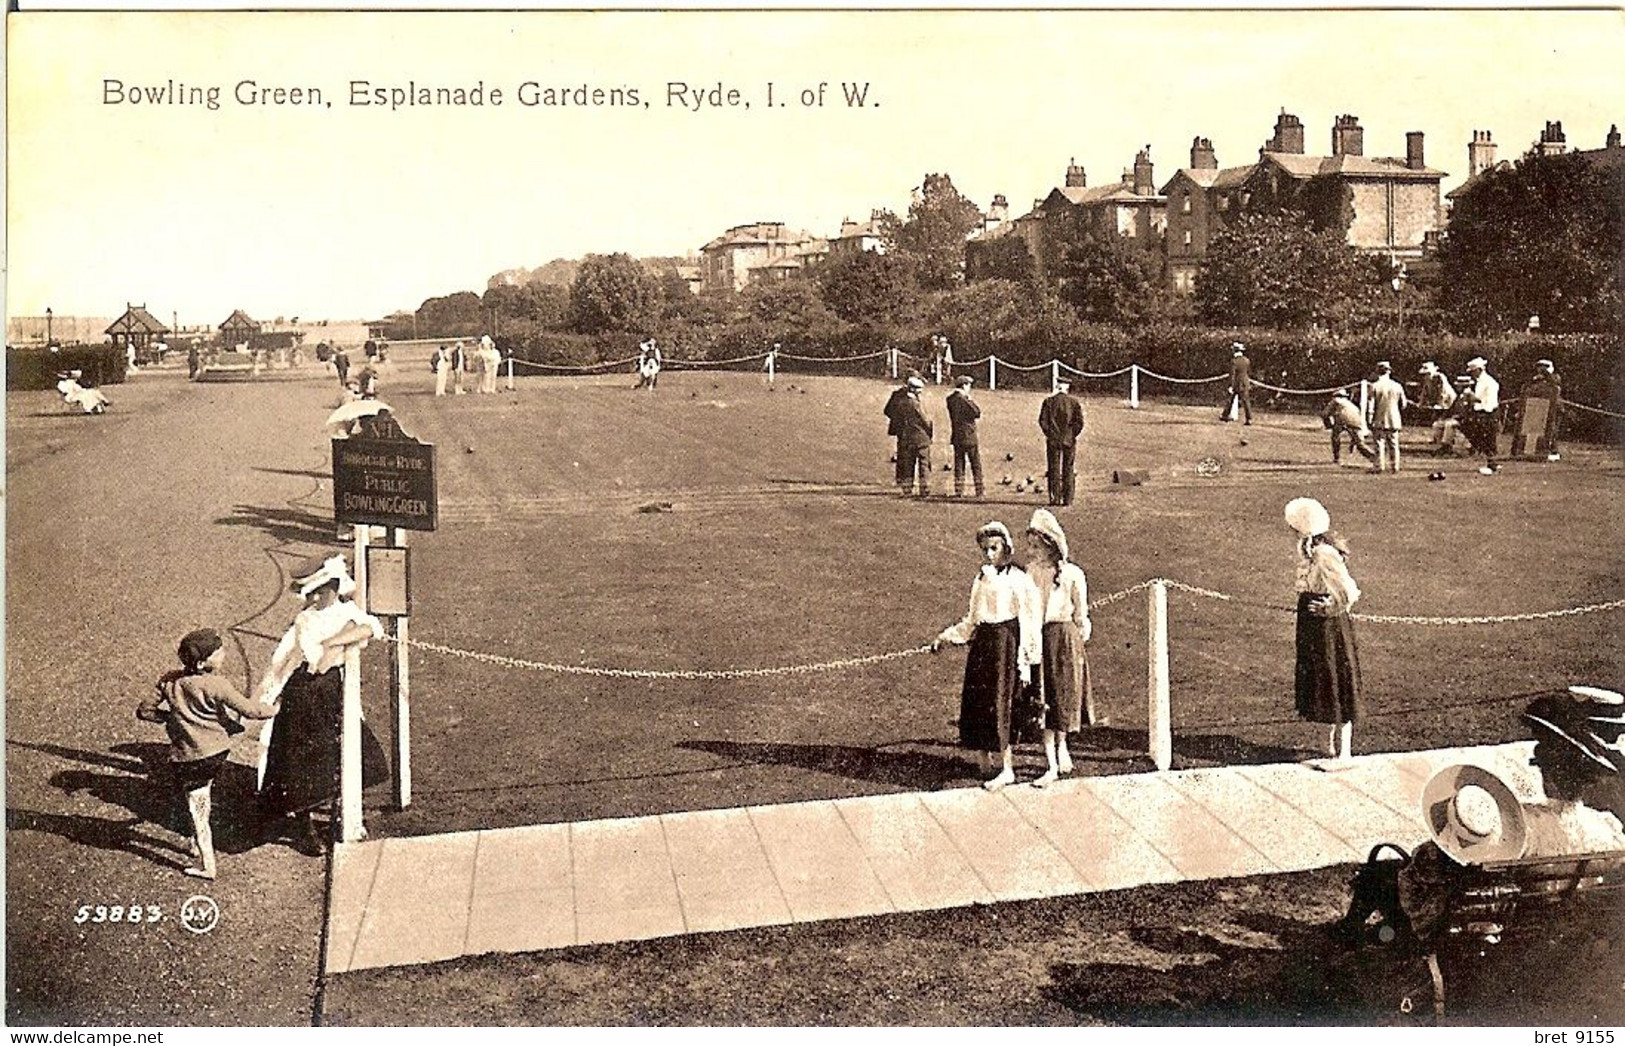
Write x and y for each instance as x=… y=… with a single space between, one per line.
x=48 y=338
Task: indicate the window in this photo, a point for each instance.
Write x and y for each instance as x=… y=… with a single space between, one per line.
x=1186 y=205
x=1224 y=203
x=1187 y=238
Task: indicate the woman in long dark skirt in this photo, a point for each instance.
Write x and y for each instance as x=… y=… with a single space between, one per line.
x=1002 y=628
x=1327 y=676
x=1064 y=601
x=300 y=768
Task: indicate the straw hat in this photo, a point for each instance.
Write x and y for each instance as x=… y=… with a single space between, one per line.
x=916 y=383
x=1473 y=815
x=1308 y=517
x=1238 y=348
x=1479 y=362
x=1429 y=368
x=315 y=575
x=1588 y=723
x=1045 y=523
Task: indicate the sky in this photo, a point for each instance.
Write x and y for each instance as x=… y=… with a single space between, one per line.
x=343 y=211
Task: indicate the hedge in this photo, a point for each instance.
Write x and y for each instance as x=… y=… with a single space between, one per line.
x=38 y=368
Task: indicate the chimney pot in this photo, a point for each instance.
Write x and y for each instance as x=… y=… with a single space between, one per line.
x=1413 y=150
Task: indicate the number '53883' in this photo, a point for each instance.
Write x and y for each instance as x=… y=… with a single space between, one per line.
x=133 y=914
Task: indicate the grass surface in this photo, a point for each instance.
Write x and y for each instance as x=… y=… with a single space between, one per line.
x=189 y=504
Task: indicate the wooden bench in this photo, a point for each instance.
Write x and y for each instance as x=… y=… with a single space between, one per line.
x=1489 y=901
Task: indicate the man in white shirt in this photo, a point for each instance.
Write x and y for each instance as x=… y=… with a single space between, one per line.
x=1483 y=430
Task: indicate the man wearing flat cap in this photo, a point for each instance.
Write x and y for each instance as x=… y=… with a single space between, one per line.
x=1241 y=385
x=894 y=404
x=962 y=415
x=913 y=440
x=1060 y=418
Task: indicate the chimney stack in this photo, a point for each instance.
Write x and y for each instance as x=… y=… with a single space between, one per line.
x=1288 y=135
x=1000 y=211
x=1348 y=137
x=1202 y=155
x=1480 y=154
x=1413 y=150
x=1075 y=178
x=1552 y=141
x=1613 y=136
x=1144 y=183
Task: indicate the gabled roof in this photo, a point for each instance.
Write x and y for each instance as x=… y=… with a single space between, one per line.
x=750 y=236
x=136 y=320
x=1211 y=178
x=1504 y=165
x=1116 y=192
x=238 y=318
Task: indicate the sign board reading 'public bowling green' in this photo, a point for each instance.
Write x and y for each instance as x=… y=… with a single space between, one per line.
x=384 y=482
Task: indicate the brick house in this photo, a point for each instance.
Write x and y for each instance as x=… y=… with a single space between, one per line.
x=1130 y=207
x=726 y=262
x=1387 y=205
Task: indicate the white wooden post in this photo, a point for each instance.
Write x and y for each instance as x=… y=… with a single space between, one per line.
x=510 y=373
x=1365 y=398
x=1134 y=386
x=992 y=373
x=891 y=362
x=771 y=362
x=351 y=829
x=1158 y=727
x=1054 y=376
x=400 y=685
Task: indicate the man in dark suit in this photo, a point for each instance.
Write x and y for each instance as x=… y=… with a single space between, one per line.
x=913 y=440
x=1061 y=420
x=893 y=405
x=962 y=414
x=1241 y=385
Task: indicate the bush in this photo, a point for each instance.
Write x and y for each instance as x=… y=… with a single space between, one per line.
x=38 y=368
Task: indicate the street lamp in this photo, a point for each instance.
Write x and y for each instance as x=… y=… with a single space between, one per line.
x=48 y=338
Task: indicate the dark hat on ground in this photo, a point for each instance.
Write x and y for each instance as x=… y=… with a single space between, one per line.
x=197 y=645
x=1474 y=816
x=1586 y=722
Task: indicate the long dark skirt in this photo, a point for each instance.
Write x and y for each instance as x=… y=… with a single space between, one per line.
x=1328 y=669
x=1068 y=701
x=302 y=765
x=992 y=684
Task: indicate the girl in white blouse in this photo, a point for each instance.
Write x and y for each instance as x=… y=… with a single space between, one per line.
x=1002 y=628
x=1327 y=674
x=1064 y=599
x=300 y=762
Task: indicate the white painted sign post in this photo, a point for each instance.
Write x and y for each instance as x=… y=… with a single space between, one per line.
x=1134 y=386
x=1158 y=726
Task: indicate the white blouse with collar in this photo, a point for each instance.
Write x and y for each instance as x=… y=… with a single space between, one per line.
x=1066 y=601
x=1002 y=594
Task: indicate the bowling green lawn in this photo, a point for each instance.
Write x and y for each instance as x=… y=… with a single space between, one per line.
x=722 y=524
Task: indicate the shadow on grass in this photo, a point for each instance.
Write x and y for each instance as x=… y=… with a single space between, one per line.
x=1290 y=975
x=140 y=782
x=287 y=525
x=904 y=769
x=308 y=473
x=1203 y=749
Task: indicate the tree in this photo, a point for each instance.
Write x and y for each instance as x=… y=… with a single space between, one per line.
x=1111 y=279
x=983 y=314
x=457 y=315
x=1542 y=239
x=788 y=307
x=1002 y=258
x=1273 y=269
x=868 y=288
x=612 y=292
x=932 y=239
x=544 y=305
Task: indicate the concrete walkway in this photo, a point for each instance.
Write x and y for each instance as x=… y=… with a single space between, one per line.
x=429 y=898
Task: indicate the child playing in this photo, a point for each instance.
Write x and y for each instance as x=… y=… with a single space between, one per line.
x=199 y=709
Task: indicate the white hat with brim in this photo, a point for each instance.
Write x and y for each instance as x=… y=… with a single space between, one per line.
x=1308 y=517
x=1479 y=362
x=333 y=568
x=916 y=383
x=1429 y=368
x=1045 y=523
x=1474 y=816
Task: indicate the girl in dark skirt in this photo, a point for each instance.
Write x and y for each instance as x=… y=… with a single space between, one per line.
x=1002 y=628
x=1327 y=675
x=299 y=768
x=1064 y=599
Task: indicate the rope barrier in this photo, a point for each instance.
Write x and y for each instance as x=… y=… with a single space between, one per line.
x=715 y=363
x=1088 y=374
x=1183 y=381
x=1594 y=410
x=840 y=664
x=1299 y=392
x=586 y=367
x=830 y=359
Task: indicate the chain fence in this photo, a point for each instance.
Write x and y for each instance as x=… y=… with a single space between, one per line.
x=842 y=664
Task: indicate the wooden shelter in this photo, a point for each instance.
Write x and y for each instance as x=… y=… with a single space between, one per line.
x=136 y=327
x=238 y=329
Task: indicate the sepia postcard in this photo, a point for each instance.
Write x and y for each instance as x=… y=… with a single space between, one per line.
x=729 y=518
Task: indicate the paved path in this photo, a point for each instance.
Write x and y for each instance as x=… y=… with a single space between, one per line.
x=428 y=898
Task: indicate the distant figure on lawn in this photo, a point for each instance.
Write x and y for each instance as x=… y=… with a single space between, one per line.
x=490 y=362
x=893 y=405
x=199 y=708
x=648 y=364
x=1327 y=673
x=1342 y=416
x=1063 y=599
x=1436 y=397
x=914 y=433
x=1386 y=401
x=299 y=764
x=1482 y=424
x=1543 y=393
x=194 y=361
x=89 y=400
x=440 y=363
x=1003 y=628
x=1241 y=385
x=459 y=366
x=341 y=364
x=962 y=415
x=1060 y=418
